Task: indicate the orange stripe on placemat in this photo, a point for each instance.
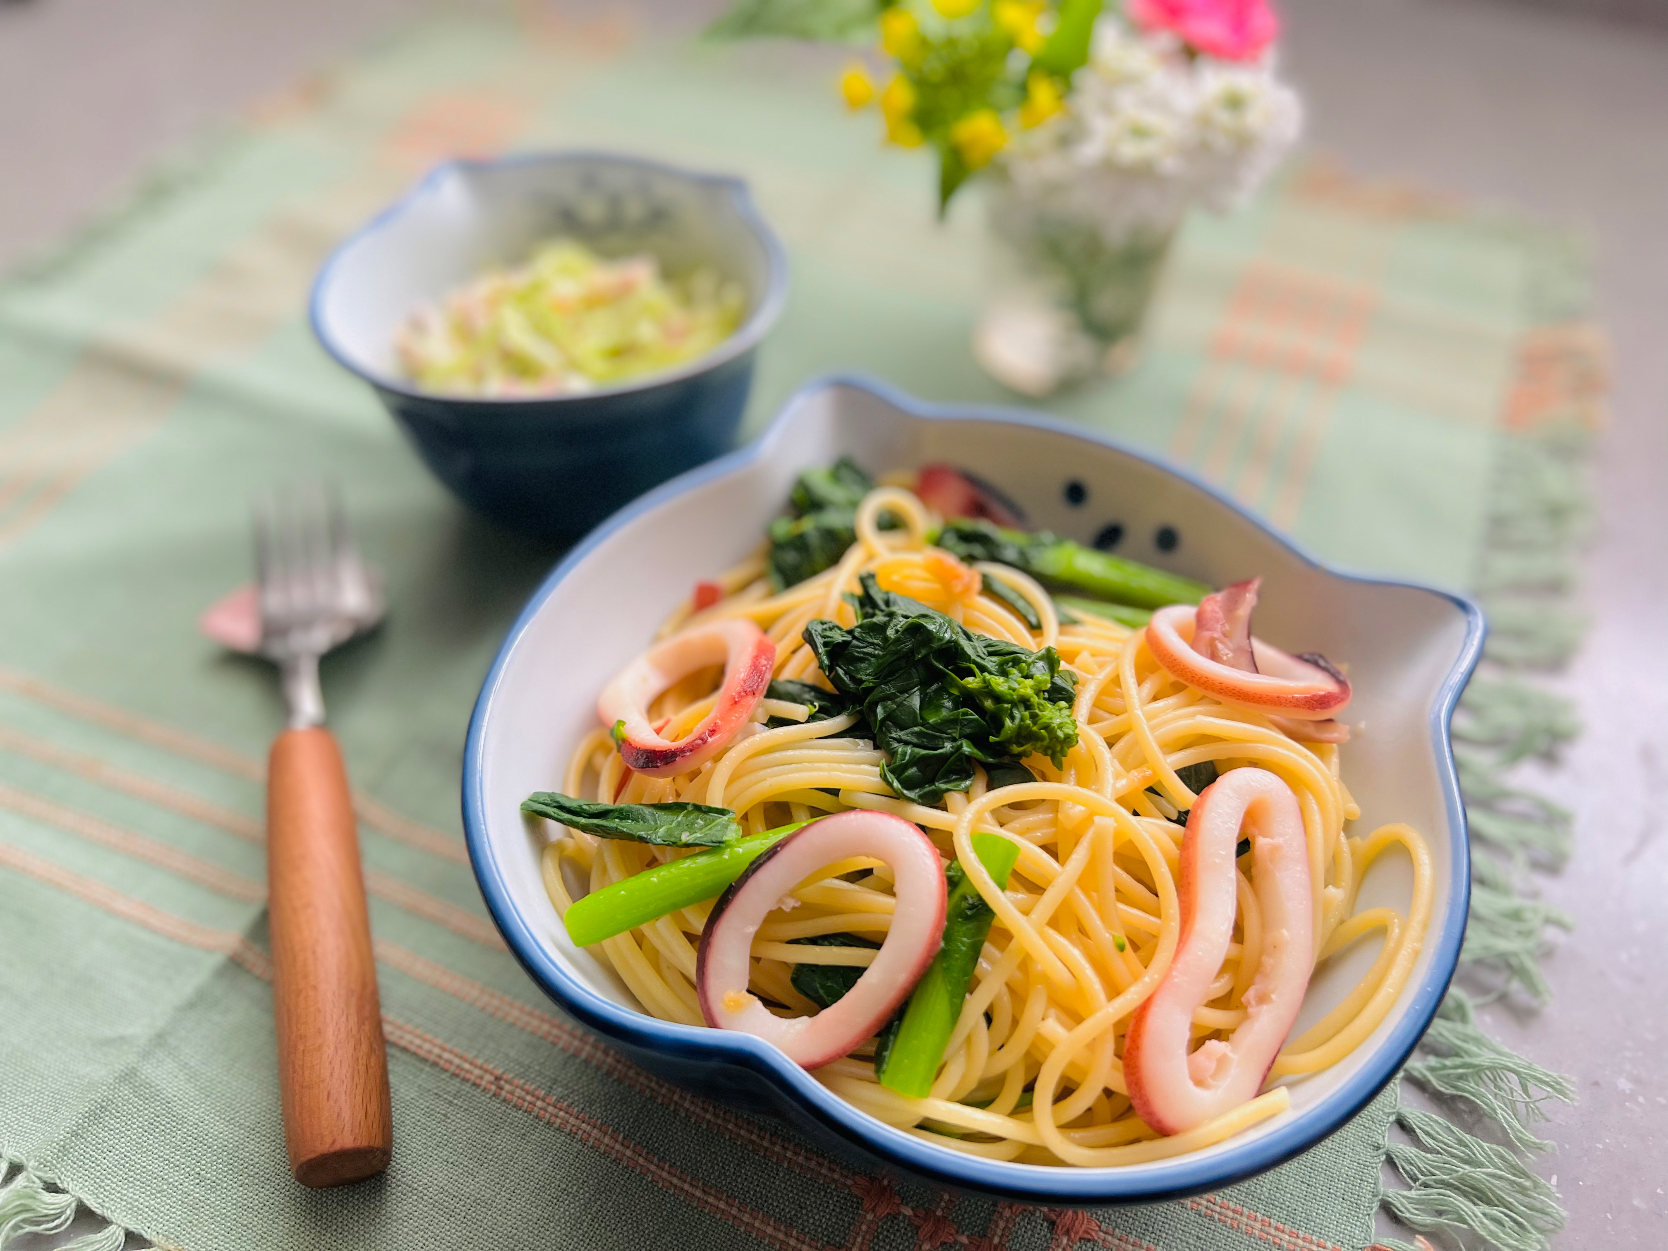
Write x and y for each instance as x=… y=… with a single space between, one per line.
x=1259 y=347
x=140 y=787
x=880 y=1199
x=512 y=1090
x=593 y=1133
x=1226 y=348
x=1562 y=375
x=383 y=886
x=401 y=828
x=137 y=911
x=1347 y=321
x=421 y=903
x=605 y=1059
x=1255 y=1225
x=132 y=725
x=375 y=814
x=1072 y=1227
x=129 y=843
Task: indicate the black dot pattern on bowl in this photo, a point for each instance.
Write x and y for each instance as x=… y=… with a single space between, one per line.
x=1110 y=536
x=1167 y=540
x=1076 y=493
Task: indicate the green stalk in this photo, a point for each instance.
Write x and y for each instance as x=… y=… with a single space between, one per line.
x=653 y=893
x=1105 y=576
x=911 y=1062
x=1067 y=48
x=1123 y=614
x=1062 y=564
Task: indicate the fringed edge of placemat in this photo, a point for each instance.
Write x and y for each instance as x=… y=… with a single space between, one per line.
x=1540 y=515
x=31 y=1207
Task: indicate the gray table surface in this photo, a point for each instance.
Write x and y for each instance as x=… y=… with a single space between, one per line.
x=1563 y=116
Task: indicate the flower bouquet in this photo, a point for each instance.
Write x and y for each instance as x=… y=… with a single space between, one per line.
x=1095 y=131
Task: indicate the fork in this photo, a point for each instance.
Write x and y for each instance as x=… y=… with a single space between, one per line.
x=315 y=592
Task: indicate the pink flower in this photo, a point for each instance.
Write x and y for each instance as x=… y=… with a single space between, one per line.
x=1234 y=30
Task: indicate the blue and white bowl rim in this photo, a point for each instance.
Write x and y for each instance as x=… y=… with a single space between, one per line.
x=744 y=340
x=1173 y=1178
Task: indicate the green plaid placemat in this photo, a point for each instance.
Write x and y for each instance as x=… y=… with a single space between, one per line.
x=1344 y=358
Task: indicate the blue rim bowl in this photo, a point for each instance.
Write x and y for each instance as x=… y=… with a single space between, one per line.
x=553 y=465
x=1411 y=651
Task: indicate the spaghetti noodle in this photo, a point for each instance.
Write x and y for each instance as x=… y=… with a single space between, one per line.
x=1090 y=919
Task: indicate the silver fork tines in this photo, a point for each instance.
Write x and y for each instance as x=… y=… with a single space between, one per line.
x=315 y=592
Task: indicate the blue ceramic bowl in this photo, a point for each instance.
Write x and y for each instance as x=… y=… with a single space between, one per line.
x=1410 y=651
x=555 y=464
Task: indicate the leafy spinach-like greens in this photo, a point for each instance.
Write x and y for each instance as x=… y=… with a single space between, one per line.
x=824 y=505
x=825 y=984
x=665 y=825
x=824 y=705
x=1022 y=607
x=940 y=698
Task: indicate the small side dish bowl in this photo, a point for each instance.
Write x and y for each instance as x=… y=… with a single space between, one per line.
x=553 y=464
x=1410 y=652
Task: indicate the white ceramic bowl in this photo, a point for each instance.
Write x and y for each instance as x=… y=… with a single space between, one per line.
x=1410 y=651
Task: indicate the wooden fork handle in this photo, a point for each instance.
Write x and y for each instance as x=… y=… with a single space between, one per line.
x=332 y=1067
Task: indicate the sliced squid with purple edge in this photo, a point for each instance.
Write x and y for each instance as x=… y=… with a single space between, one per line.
x=748 y=657
x=1171 y=1088
x=1302 y=693
x=723 y=967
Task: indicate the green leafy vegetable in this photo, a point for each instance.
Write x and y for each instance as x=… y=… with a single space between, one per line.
x=824 y=506
x=1195 y=777
x=842 y=485
x=940 y=698
x=1198 y=776
x=1058 y=562
x=911 y=1062
x=825 y=984
x=664 y=825
x=665 y=888
x=1022 y=607
x=832 y=21
x=824 y=705
x=1007 y=773
x=1123 y=614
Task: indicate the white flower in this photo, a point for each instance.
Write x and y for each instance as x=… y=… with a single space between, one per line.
x=1118 y=56
x=1138 y=138
x=1235 y=106
x=1152 y=132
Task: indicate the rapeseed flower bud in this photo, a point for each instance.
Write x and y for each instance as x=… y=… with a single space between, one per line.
x=978 y=137
x=900 y=36
x=1018 y=19
x=856 y=86
x=1042 y=100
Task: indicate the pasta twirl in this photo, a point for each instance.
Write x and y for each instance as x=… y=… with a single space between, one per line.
x=1091 y=916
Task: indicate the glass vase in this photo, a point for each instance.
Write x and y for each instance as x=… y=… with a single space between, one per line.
x=1072 y=279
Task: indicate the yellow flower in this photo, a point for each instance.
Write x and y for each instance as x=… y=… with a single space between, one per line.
x=1042 y=100
x=954 y=8
x=904 y=133
x=855 y=86
x=897 y=101
x=900 y=36
x=978 y=137
x=1019 y=19
x=896 y=104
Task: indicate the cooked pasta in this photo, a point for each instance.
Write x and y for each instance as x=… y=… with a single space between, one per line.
x=1091 y=916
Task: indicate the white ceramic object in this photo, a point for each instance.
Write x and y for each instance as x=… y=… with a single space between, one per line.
x=1409 y=650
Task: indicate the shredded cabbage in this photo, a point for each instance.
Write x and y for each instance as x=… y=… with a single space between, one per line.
x=569 y=320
